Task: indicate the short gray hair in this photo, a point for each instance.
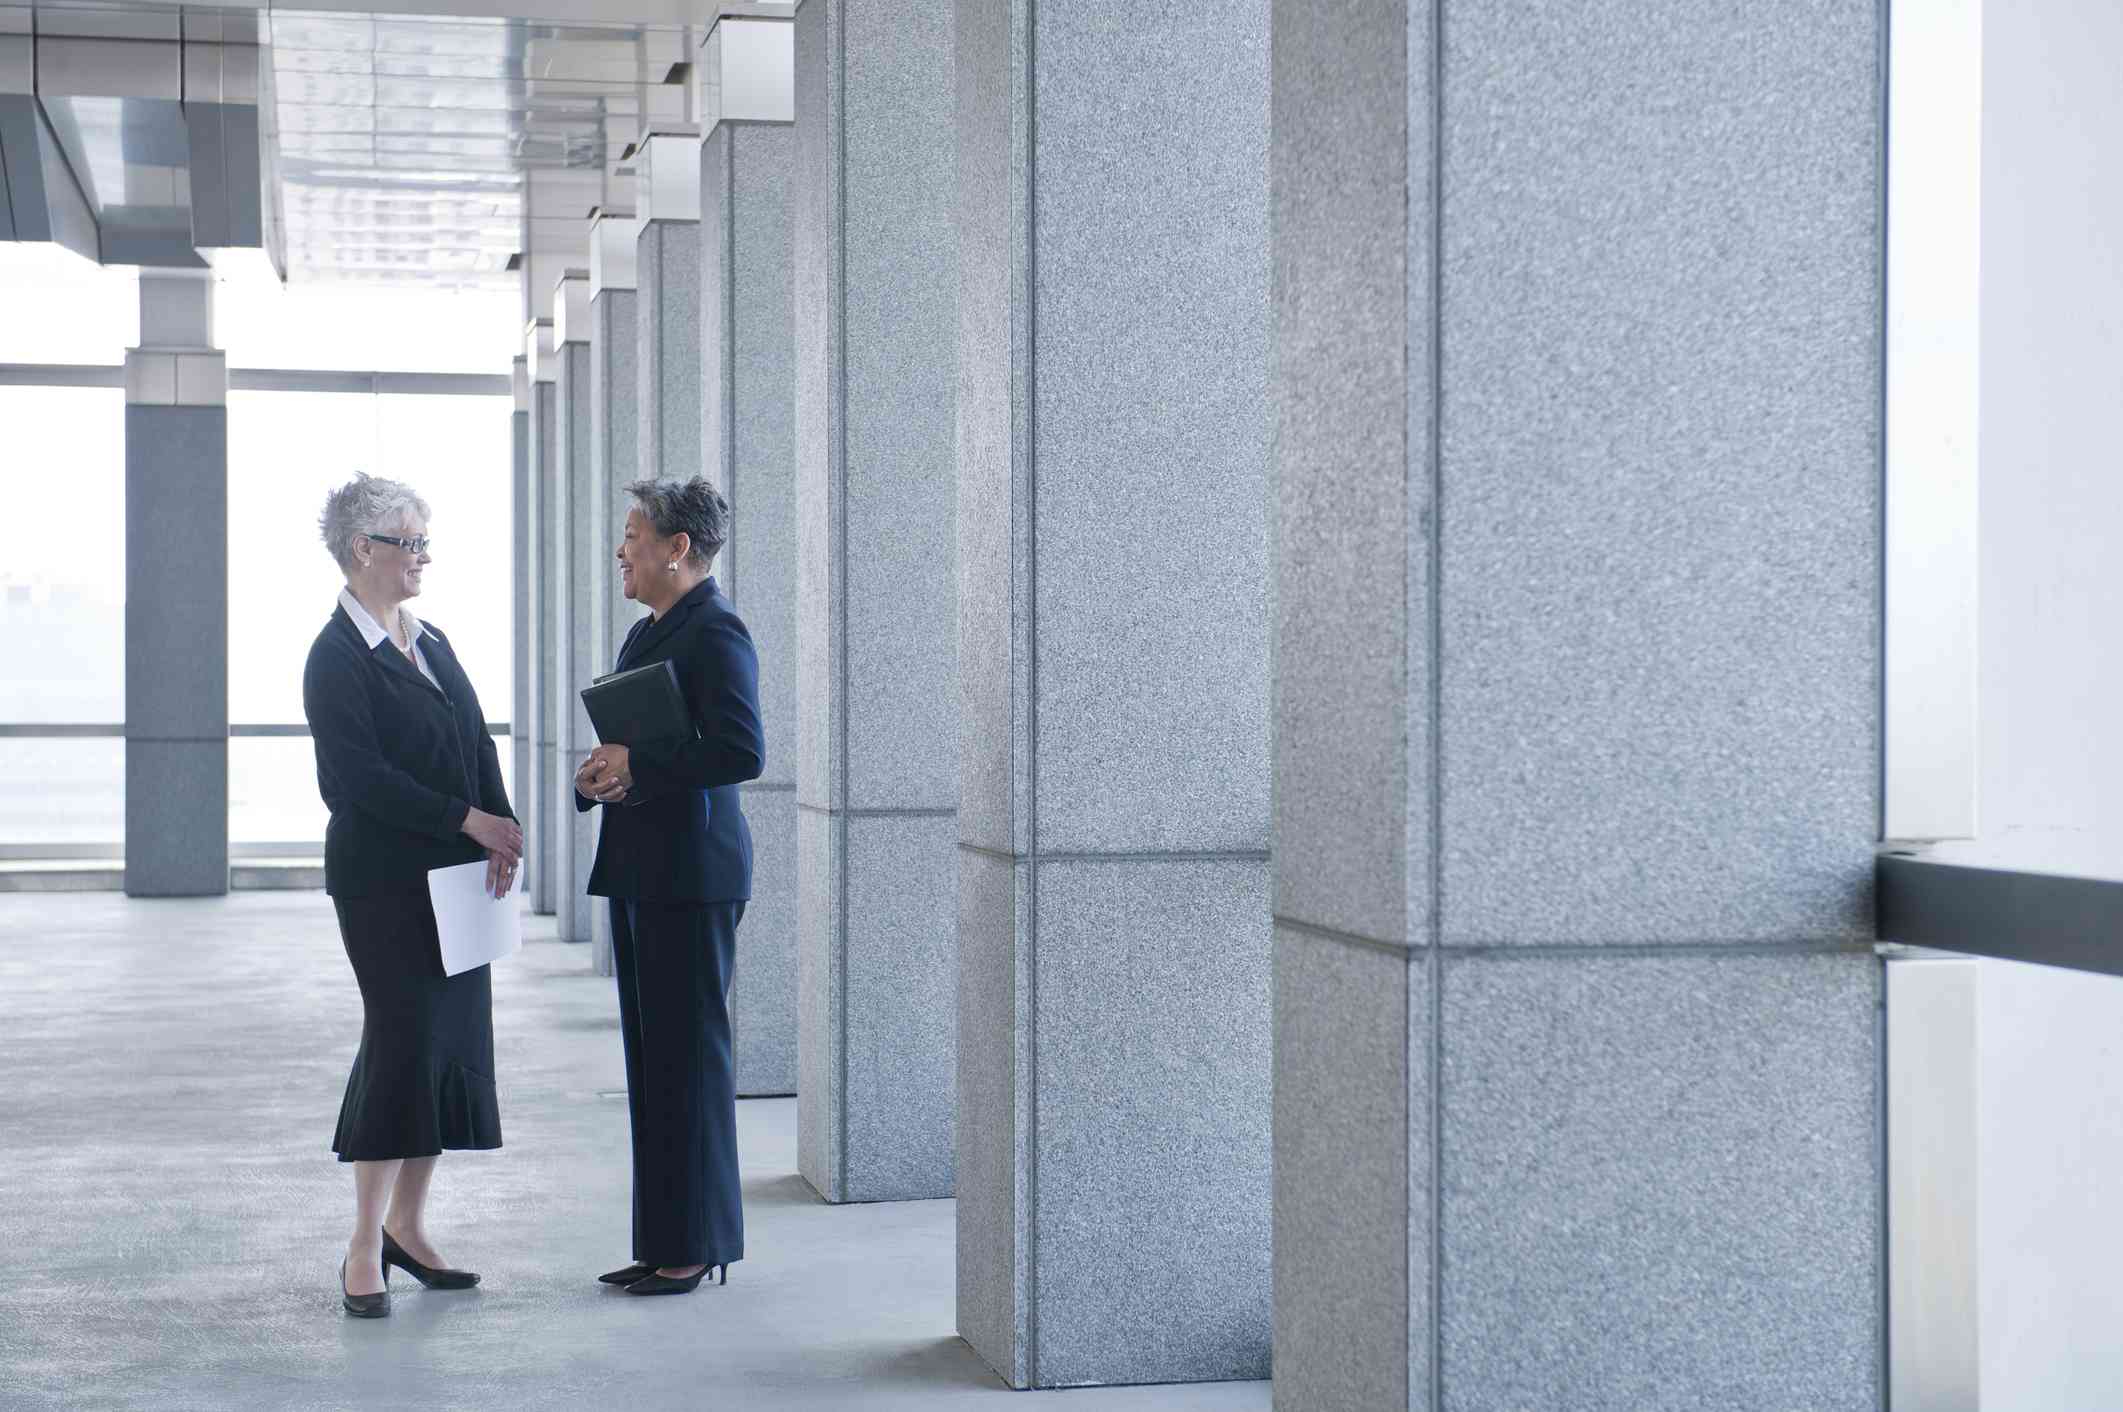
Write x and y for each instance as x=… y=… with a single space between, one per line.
x=695 y=508
x=366 y=505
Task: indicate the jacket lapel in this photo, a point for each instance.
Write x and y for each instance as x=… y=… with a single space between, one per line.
x=651 y=633
x=392 y=660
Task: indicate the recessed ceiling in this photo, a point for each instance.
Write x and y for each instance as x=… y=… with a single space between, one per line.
x=406 y=142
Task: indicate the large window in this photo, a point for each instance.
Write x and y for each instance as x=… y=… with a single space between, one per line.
x=287 y=450
x=62 y=619
x=62 y=524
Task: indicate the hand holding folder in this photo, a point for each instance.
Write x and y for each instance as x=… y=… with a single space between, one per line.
x=630 y=708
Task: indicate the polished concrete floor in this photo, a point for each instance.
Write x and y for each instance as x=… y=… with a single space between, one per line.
x=171 y=1216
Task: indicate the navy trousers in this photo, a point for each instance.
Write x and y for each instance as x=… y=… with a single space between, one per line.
x=674 y=961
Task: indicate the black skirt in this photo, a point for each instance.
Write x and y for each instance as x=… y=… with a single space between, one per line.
x=423 y=1079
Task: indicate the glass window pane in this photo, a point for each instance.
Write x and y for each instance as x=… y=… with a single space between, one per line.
x=265 y=324
x=273 y=792
x=454 y=450
x=62 y=308
x=59 y=792
x=62 y=594
x=287 y=450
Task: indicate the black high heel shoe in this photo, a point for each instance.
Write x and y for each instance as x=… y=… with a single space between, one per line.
x=627 y=1275
x=429 y=1277
x=364 y=1306
x=653 y=1283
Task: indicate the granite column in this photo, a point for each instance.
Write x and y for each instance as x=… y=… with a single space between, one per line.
x=566 y=612
x=540 y=835
x=748 y=432
x=1114 y=433
x=1577 y=707
x=176 y=593
x=615 y=429
x=874 y=293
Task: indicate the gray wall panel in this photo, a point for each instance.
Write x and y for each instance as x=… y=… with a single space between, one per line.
x=176 y=818
x=1352 y=1143
x=1353 y=744
x=176 y=576
x=748 y=355
x=1150 y=294
x=1662 y=1181
x=1661 y=441
x=993 y=1103
x=993 y=520
x=763 y=997
x=1150 y=1234
x=668 y=278
x=899 y=299
x=901 y=938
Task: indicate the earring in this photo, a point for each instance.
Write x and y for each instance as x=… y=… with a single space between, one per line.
x=672 y=567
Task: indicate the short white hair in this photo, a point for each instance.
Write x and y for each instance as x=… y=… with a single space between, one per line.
x=366 y=505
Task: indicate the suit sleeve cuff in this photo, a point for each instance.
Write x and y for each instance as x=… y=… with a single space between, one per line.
x=453 y=816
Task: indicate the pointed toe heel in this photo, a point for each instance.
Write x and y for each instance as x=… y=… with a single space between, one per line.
x=365 y=1306
x=430 y=1277
x=626 y=1275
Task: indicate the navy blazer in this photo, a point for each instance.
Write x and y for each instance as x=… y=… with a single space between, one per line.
x=399 y=763
x=680 y=834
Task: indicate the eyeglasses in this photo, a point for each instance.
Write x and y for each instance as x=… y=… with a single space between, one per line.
x=418 y=544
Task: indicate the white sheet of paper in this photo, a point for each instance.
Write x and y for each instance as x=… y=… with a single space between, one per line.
x=473 y=927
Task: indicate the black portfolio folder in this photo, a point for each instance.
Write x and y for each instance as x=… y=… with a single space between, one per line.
x=630 y=707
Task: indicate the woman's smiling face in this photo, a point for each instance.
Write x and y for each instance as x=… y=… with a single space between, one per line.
x=393 y=568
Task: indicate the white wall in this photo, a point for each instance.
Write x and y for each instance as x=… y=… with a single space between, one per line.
x=2050 y=1043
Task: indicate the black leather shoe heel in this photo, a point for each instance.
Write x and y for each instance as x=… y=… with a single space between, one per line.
x=627 y=1276
x=653 y=1283
x=429 y=1277
x=363 y=1306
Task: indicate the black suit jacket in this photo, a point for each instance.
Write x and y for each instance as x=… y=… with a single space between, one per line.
x=399 y=763
x=680 y=835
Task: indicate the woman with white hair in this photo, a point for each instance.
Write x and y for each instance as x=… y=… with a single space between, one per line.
x=412 y=780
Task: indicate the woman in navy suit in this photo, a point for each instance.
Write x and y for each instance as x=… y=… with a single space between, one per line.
x=675 y=859
x=412 y=780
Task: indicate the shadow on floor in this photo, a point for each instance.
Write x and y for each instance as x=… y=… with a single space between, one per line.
x=789 y=1189
x=931 y=1363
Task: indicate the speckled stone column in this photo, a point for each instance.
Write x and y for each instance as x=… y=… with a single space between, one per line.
x=176 y=594
x=615 y=429
x=1577 y=1067
x=540 y=827
x=520 y=496
x=667 y=272
x=566 y=608
x=748 y=355
x=877 y=662
x=1114 y=440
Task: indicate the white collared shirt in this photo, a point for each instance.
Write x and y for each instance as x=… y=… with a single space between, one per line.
x=372 y=632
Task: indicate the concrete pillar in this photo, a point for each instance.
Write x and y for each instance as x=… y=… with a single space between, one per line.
x=540 y=831
x=176 y=594
x=877 y=662
x=615 y=428
x=566 y=611
x=667 y=273
x=748 y=430
x=520 y=496
x=1577 y=1068
x=1113 y=449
